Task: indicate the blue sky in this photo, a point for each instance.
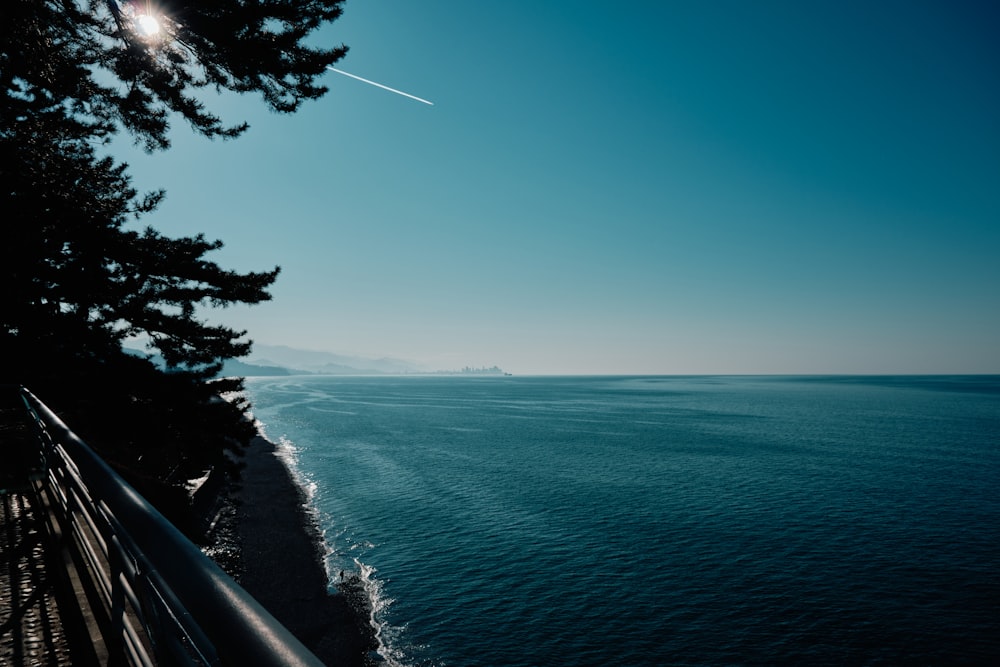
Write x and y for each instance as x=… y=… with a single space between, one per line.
x=642 y=187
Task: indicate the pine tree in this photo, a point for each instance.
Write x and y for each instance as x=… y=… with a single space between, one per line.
x=95 y=59
x=78 y=277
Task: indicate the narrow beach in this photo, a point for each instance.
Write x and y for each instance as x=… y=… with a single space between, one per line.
x=275 y=554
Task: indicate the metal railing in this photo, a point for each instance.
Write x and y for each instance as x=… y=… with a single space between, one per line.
x=151 y=596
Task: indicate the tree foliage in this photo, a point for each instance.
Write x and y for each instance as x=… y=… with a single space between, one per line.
x=91 y=58
x=80 y=276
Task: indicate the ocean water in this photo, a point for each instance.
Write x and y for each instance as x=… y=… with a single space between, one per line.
x=657 y=520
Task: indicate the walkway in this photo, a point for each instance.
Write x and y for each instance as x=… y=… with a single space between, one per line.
x=40 y=623
x=35 y=613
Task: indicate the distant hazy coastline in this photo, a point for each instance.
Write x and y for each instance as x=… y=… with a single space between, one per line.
x=278 y=360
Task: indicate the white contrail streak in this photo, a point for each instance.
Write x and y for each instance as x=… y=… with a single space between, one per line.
x=391 y=90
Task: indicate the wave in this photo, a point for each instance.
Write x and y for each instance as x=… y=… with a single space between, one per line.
x=367 y=594
x=360 y=587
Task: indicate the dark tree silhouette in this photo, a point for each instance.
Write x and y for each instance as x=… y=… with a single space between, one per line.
x=77 y=278
x=92 y=58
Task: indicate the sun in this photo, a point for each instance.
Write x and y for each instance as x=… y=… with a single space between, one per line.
x=138 y=16
x=147 y=25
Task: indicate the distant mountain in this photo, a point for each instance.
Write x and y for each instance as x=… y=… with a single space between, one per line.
x=326 y=363
x=278 y=360
x=229 y=367
x=236 y=367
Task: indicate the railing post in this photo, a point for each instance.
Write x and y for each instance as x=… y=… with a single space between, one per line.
x=117 y=612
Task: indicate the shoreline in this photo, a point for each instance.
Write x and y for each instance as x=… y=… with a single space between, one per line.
x=265 y=538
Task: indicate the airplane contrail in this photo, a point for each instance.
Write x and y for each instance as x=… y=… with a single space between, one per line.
x=391 y=90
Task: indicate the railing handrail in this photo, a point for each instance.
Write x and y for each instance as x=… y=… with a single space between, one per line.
x=203 y=601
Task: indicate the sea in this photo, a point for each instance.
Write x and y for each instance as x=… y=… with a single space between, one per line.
x=523 y=521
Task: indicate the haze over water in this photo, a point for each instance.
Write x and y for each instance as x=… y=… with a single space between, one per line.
x=658 y=520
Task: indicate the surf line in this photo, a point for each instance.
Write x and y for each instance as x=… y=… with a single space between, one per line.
x=379 y=85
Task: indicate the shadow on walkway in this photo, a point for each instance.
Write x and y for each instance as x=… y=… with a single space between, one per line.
x=31 y=622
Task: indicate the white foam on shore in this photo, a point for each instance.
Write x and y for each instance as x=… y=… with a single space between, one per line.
x=192 y=485
x=378 y=603
x=288 y=452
